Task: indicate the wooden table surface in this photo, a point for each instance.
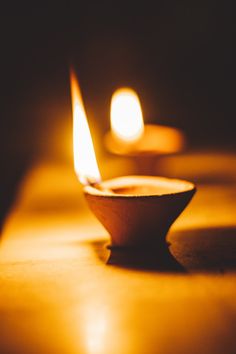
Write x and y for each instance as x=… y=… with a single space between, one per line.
x=63 y=291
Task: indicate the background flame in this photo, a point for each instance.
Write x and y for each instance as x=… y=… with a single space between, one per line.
x=126 y=115
x=85 y=162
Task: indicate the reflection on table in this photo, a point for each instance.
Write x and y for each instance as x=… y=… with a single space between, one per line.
x=64 y=291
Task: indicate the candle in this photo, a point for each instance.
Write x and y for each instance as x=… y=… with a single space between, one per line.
x=135 y=210
x=130 y=137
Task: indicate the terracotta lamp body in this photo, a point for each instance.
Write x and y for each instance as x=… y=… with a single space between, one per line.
x=138 y=211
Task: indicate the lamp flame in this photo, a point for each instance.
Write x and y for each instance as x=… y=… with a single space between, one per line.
x=85 y=162
x=126 y=115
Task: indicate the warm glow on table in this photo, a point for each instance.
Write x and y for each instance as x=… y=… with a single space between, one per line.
x=58 y=296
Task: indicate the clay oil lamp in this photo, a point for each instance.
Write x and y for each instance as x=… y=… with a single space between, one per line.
x=131 y=138
x=135 y=210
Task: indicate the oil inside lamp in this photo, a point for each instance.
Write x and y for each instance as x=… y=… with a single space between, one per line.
x=135 y=210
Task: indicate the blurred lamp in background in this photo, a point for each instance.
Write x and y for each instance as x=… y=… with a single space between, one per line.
x=130 y=137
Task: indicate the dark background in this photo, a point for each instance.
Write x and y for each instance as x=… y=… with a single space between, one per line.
x=176 y=54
